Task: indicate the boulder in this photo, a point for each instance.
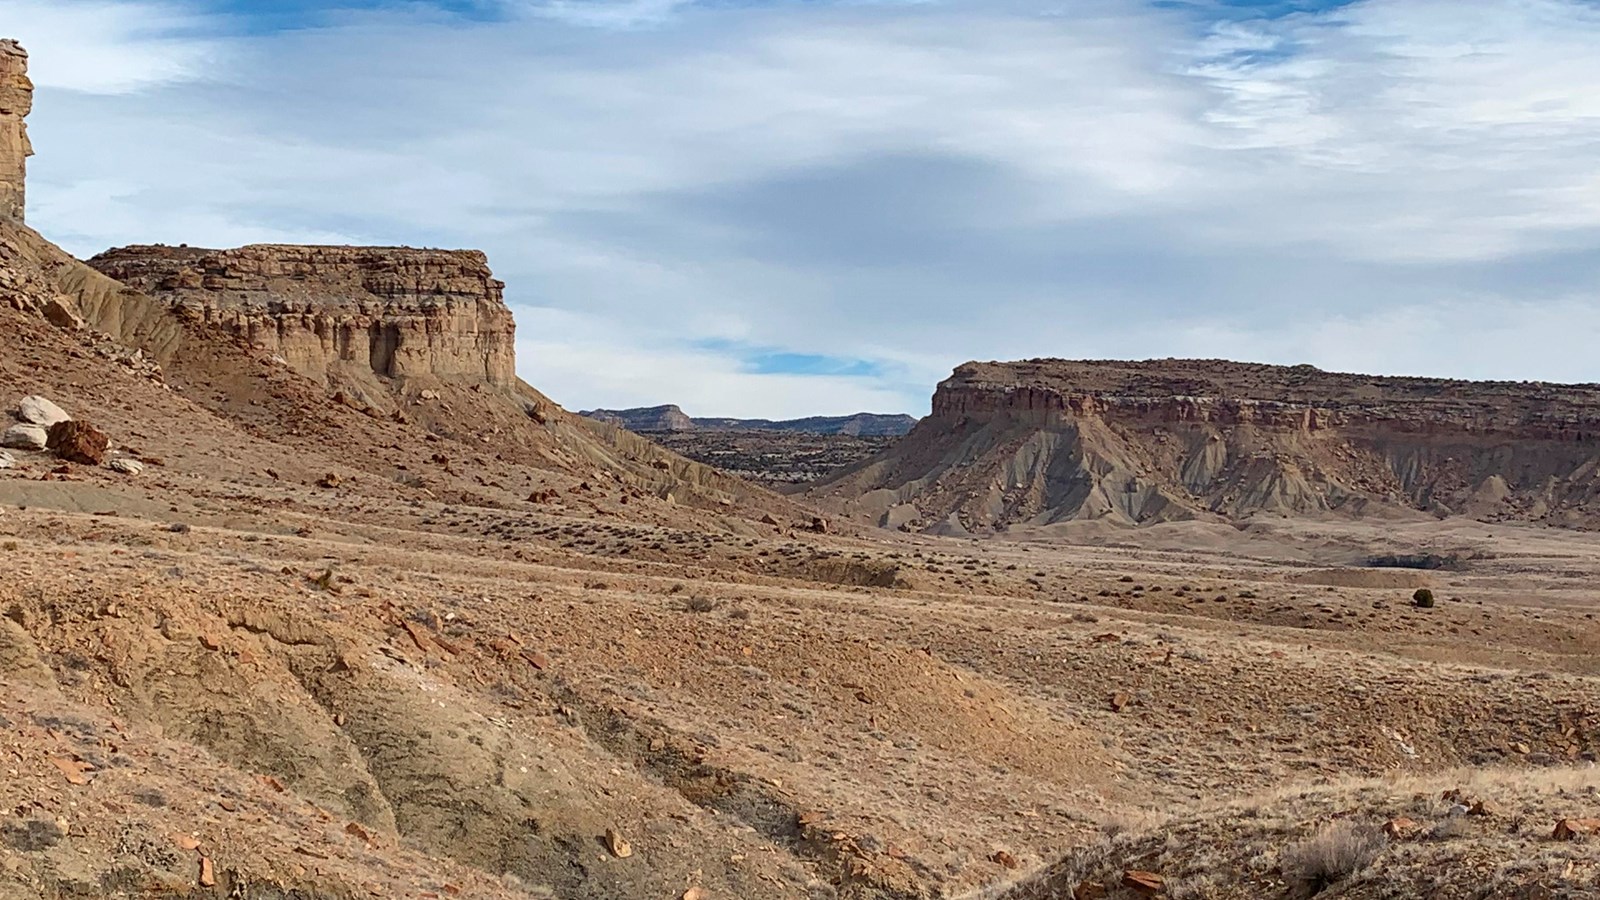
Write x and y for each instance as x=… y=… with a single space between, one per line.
x=37 y=410
x=79 y=442
x=62 y=315
x=25 y=436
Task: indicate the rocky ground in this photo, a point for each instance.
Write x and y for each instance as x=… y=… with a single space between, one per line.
x=781 y=460
x=345 y=659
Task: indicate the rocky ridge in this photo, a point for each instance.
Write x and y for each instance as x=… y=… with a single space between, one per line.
x=1046 y=441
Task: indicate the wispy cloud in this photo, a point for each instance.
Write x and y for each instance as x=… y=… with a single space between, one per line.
x=109 y=47
x=667 y=185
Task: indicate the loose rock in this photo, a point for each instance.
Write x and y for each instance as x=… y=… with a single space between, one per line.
x=37 y=410
x=125 y=465
x=1148 y=883
x=25 y=436
x=79 y=442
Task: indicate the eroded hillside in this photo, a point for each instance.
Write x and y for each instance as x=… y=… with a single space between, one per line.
x=1048 y=441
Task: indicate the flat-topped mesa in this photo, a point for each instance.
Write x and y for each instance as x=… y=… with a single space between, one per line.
x=1044 y=441
x=1304 y=397
x=337 y=312
x=16 y=101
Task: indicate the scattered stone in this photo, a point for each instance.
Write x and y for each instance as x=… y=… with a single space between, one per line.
x=25 y=436
x=1521 y=748
x=769 y=519
x=37 y=410
x=1569 y=829
x=79 y=442
x=1147 y=883
x=125 y=465
x=617 y=844
x=186 y=841
x=819 y=525
x=208 y=874
x=73 y=770
x=179 y=528
x=330 y=480
x=7 y=460
x=1401 y=828
x=59 y=314
x=694 y=893
x=1089 y=890
x=1485 y=808
x=1005 y=859
x=701 y=604
x=1119 y=701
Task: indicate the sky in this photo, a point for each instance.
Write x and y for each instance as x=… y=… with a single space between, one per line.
x=780 y=208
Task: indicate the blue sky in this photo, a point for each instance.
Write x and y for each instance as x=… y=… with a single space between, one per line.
x=811 y=207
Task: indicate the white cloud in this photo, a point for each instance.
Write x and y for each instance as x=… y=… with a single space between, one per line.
x=915 y=184
x=105 y=46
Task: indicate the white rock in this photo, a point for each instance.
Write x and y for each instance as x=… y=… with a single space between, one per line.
x=24 y=436
x=125 y=465
x=7 y=460
x=37 y=410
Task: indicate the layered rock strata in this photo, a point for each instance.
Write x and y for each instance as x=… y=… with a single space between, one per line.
x=1044 y=441
x=339 y=313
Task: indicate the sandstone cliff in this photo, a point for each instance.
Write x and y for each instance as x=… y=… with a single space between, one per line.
x=1046 y=441
x=16 y=101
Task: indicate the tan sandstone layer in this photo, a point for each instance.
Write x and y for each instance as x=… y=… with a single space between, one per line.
x=16 y=101
x=339 y=313
x=1046 y=441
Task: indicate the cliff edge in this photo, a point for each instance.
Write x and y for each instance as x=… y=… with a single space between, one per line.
x=16 y=101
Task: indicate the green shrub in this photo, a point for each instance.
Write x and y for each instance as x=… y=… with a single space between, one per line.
x=1422 y=599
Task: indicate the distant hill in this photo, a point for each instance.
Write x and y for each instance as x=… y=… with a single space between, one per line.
x=671 y=418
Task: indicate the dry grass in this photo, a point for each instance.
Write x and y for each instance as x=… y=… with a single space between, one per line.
x=1337 y=852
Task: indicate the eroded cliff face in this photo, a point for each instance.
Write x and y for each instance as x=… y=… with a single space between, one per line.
x=16 y=101
x=1045 y=441
x=342 y=315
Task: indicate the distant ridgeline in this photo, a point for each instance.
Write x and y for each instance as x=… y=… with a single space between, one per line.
x=671 y=419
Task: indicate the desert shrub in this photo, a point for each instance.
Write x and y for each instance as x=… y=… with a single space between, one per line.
x=1422 y=599
x=1334 y=854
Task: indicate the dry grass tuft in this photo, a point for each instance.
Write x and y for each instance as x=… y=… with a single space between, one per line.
x=1334 y=854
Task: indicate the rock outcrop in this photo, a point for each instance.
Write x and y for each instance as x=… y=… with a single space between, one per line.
x=341 y=315
x=1045 y=441
x=16 y=101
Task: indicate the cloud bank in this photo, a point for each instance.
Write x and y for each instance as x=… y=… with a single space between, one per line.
x=680 y=193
